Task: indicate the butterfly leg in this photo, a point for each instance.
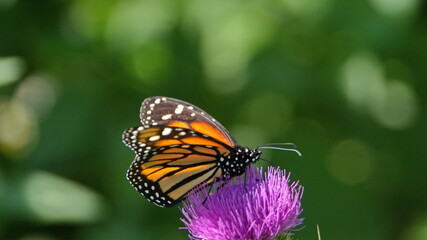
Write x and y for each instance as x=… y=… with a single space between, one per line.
x=210 y=189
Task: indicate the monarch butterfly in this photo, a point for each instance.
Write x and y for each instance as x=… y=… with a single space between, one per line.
x=180 y=147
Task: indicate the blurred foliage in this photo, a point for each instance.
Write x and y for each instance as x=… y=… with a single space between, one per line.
x=344 y=80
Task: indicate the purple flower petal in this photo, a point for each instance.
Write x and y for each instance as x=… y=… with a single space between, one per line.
x=261 y=208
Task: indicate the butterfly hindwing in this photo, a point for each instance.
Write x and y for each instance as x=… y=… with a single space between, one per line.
x=159 y=111
x=171 y=161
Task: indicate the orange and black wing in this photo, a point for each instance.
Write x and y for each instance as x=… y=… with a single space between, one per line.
x=171 y=161
x=164 y=111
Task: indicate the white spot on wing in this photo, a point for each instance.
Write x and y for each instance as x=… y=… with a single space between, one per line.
x=154 y=138
x=166 y=131
x=179 y=109
x=167 y=116
x=157 y=101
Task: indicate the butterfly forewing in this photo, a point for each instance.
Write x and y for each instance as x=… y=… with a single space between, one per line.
x=171 y=161
x=159 y=111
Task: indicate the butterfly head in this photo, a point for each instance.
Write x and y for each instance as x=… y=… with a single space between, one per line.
x=253 y=154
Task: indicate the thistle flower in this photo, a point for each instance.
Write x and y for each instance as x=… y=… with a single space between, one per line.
x=256 y=208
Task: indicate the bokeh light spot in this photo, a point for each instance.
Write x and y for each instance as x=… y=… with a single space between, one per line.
x=18 y=127
x=88 y=18
x=398 y=108
x=7 y=3
x=418 y=229
x=11 y=69
x=38 y=94
x=133 y=23
x=363 y=80
x=392 y=103
x=307 y=8
x=231 y=34
x=350 y=162
x=395 y=8
x=55 y=199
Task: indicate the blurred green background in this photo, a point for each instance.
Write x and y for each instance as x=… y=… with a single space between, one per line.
x=344 y=80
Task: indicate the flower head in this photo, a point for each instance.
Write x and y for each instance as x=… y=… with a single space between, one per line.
x=260 y=207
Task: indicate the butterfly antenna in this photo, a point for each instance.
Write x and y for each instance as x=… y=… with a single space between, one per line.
x=279 y=144
x=282 y=149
